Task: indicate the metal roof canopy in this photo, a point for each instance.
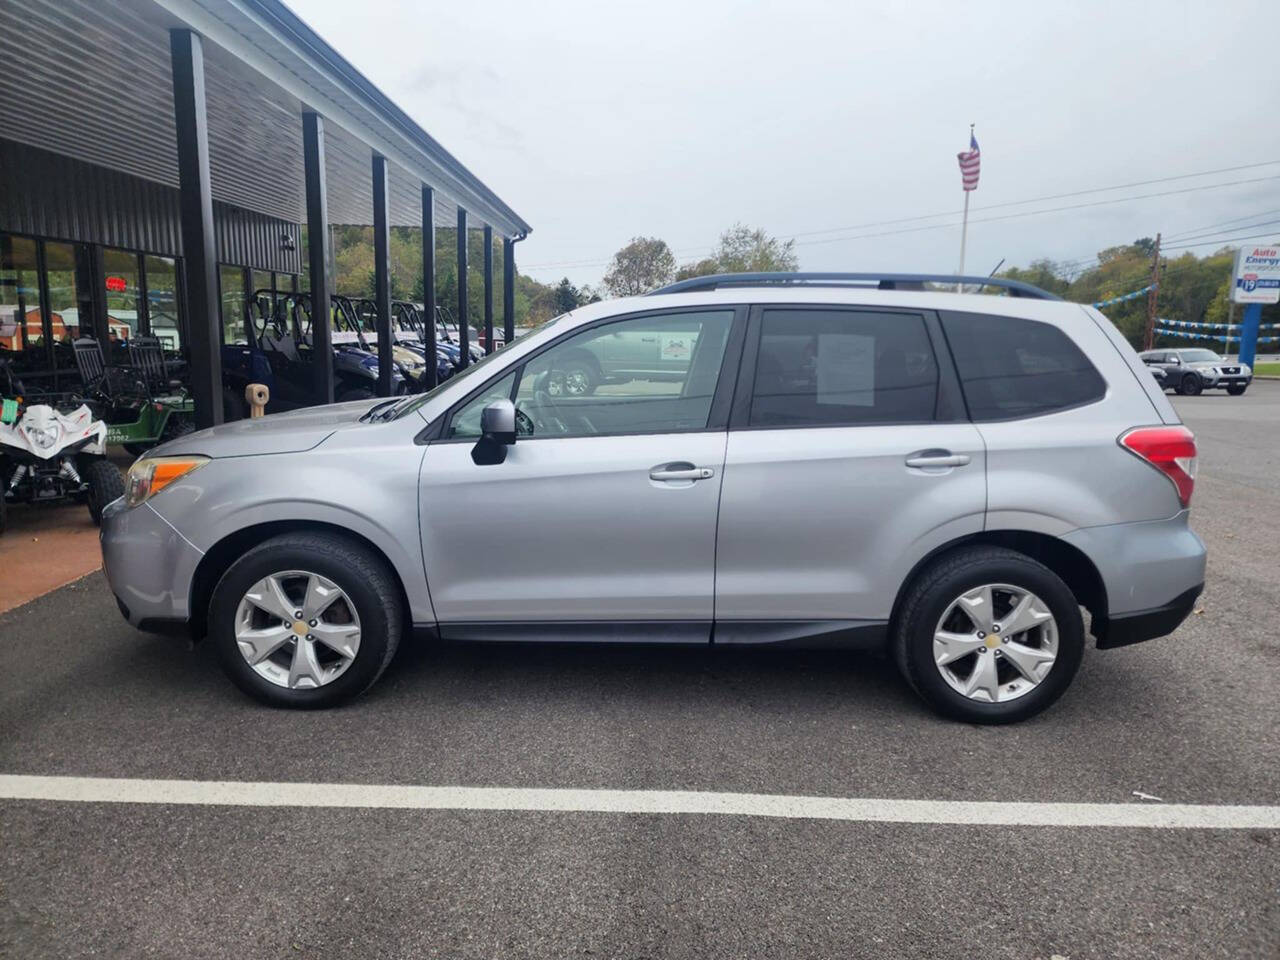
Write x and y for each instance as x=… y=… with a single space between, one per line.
x=92 y=79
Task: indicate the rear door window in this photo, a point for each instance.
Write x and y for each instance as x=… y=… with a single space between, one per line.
x=834 y=367
x=1010 y=367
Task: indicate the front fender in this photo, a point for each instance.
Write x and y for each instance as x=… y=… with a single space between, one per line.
x=370 y=491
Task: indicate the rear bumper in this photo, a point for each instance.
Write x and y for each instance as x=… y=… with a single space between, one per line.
x=1159 y=621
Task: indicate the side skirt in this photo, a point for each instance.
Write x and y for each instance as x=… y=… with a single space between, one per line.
x=805 y=634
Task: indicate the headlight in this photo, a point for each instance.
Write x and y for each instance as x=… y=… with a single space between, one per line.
x=44 y=437
x=150 y=475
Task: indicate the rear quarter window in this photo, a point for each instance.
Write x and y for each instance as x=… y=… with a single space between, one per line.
x=1012 y=368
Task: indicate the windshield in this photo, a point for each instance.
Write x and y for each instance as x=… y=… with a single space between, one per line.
x=1199 y=356
x=407 y=405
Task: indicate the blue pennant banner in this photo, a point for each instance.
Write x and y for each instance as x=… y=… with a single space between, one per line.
x=1128 y=296
x=1210 y=336
x=1213 y=326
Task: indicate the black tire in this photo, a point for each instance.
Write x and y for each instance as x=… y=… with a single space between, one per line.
x=938 y=585
x=178 y=425
x=364 y=577
x=574 y=377
x=105 y=484
x=1237 y=389
x=1191 y=385
x=233 y=406
x=356 y=393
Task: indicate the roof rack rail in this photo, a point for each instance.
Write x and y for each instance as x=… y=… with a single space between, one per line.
x=881 y=281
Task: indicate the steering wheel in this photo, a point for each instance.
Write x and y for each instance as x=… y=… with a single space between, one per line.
x=551 y=413
x=524 y=424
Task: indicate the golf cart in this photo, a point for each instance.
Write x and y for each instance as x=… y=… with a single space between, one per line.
x=52 y=453
x=143 y=404
x=278 y=354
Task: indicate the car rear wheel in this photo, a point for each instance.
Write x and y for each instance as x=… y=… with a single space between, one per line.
x=306 y=620
x=1191 y=385
x=989 y=635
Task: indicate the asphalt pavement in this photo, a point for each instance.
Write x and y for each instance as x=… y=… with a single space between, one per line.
x=1191 y=719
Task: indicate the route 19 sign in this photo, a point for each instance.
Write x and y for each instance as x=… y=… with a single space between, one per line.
x=1257 y=275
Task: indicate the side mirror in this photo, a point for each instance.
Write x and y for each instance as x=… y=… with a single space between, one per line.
x=497 y=432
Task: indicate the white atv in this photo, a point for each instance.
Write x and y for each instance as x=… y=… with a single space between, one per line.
x=47 y=455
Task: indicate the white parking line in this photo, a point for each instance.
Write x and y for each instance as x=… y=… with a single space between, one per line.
x=390 y=797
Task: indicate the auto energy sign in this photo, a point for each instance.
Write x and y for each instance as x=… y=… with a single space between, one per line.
x=1257 y=274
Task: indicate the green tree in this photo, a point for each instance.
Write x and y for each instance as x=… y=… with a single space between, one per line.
x=567 y=296
x=644 y=264
x=743 y=249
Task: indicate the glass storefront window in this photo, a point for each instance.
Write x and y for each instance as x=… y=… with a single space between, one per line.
x=120 y=268
x=64 y=298
x=162 y=302
x=21 y=328
x=231 y=285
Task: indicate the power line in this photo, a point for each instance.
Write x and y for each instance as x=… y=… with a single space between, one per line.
x=1222 y=223
x=1037 y=213
x=1242 y=226
x=1223 y=242
x=1055 y=196
x=1012 y=216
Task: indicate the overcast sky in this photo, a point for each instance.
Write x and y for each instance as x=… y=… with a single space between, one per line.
x=601 y=121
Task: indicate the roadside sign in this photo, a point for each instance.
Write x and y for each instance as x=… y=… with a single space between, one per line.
x=1256 y=278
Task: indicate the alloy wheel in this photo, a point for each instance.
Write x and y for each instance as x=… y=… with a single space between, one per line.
x=995 y=643
x=297 y=629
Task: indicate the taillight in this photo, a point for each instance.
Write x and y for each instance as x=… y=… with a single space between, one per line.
x=1171 y=450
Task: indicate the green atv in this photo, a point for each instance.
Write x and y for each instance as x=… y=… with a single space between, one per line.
x=142 y=405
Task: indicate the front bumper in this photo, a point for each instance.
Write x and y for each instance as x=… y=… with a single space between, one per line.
x=149 y=566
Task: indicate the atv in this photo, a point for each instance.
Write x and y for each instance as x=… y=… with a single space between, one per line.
x=47 y=455
x=142 y=405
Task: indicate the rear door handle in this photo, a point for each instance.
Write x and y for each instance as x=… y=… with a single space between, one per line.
x=680 y=471
x=938 y=458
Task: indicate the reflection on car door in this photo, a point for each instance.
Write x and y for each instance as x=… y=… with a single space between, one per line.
x=588 y=529
x=848 y=456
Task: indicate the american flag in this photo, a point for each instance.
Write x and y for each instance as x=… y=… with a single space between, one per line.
x=970 y=164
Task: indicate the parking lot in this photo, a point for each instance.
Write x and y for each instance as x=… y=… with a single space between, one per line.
x=1190 y=719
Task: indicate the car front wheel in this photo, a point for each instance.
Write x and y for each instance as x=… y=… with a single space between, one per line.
x=989 y=635
x=1191 y=385
x=1236 y=389
x=306 y=620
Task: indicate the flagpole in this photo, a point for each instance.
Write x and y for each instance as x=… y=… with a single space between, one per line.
x=964 y=226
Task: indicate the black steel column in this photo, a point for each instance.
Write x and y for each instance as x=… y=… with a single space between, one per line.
x=429 y=281
x=464 y=329
x=508 y=290
x=382 y=274
x=488 y=289
x=196 y=205
x=318 y=255
x=144 y=302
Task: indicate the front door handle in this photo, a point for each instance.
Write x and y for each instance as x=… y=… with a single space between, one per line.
x=680 y=471
x=937 y=458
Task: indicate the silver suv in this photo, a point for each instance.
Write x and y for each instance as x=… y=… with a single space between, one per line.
x=838 y=460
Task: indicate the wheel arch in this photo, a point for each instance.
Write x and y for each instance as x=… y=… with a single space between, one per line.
x=1071 y=564
x=219 y=558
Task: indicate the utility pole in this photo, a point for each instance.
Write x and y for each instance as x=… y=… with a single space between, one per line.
x=1152 y=296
